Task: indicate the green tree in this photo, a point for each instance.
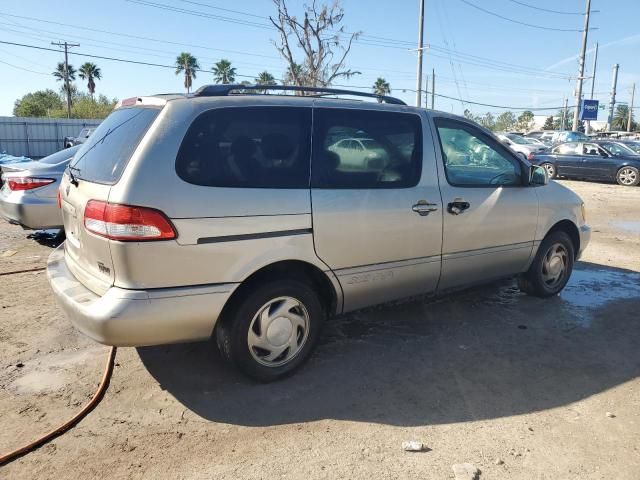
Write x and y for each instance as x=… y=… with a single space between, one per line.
x=187 y=64
x=86 y=106
x=568 y=123
x=223 y=72
x=265 y=78
x=38 y=104
x=548 y=123
x=505 y=121
x=381 y=88
x=620 y=117
x=525 y=121
x=90 y=72
x=488 y=121
x=59 y=74
x=294 y=75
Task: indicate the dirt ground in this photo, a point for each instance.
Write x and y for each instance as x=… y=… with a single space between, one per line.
x=517 y=386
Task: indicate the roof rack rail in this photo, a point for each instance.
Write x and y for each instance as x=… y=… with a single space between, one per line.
x=224 y=90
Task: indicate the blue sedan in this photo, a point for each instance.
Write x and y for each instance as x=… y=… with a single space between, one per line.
x=602 y=160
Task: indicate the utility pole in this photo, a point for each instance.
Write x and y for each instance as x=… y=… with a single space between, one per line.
x=66 y=71
x=633 y=94
x=612 y=99
x=595 y=64
x=433 y=88
x=420 y=48
x=585 y=32
x=593 y=81
x=426 y=91
x=563 y=122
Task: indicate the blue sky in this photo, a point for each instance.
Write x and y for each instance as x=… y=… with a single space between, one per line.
x=463 y=38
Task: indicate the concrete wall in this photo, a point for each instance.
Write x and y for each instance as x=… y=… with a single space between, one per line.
x=38 y=137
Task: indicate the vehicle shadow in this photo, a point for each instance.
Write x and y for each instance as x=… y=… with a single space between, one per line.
x=484 y=353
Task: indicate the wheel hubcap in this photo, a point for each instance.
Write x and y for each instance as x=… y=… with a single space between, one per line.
x=278 y=331
x=554 y=266
x=627 y=176
x=550 y=170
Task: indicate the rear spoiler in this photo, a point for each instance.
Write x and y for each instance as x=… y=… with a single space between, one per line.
x=141 y=101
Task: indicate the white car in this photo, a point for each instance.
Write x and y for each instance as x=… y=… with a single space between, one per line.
x=360 y=154
x=521 y=145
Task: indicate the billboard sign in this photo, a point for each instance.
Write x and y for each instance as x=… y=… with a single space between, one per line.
x=589 y=109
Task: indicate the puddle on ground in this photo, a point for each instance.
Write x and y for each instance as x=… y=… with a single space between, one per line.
x=590 y=289
x=632 y=226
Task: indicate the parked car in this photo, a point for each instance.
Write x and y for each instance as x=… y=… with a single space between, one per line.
x=82 y=137
x=563 y=136
x=521 y=145
x=360 y=154
x=595 y=160
x=229 y=216
x=633 y=145
x=28 y=196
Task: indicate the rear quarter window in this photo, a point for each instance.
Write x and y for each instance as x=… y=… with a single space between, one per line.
x=103 y=157
x=248 y=147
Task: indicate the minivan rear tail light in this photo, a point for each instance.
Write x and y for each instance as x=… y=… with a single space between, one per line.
x=127 y=222
x=27 y=183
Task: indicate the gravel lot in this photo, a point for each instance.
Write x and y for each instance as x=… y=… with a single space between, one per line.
x=517 y=386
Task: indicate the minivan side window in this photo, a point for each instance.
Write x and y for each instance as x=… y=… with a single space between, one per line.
x=250 y=147
x=473 y=159
x=365 y=149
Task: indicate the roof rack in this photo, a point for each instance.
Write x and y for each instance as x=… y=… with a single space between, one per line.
x=224 y=90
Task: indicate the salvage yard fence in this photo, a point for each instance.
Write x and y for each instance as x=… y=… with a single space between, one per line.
x=38 y=137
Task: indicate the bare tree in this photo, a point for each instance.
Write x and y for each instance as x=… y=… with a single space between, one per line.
x=318 y=38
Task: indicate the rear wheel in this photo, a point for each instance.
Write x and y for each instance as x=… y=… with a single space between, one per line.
x=551 y=268
x=271 y=330
x=628 y=176
x=551 y=170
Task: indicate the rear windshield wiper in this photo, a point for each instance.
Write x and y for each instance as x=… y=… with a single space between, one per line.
x=72 y=177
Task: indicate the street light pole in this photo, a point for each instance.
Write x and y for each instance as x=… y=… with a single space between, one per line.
x=420 y=48
x=633 y=94
x=612 y=99
x=585 y=32
x=593 y=81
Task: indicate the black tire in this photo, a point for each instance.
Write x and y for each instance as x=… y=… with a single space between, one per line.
x=628 y=176
x=536 y=280
x=233 y=330
x=550 y=169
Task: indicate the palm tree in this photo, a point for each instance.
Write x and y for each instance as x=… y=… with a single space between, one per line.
x=293 y=71
x=90 y=72
x=265 y=78
x=381 y=87
x=620 y=117
x=187 y=63
x=223 y=72
x=59 y=73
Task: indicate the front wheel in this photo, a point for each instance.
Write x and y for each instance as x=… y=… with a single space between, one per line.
x=551 y=268
x=628 y=176
x=551 y=170
x=272 y=329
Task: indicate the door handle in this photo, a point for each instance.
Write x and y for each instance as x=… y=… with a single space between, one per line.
x=424 y=208
x=457 y=206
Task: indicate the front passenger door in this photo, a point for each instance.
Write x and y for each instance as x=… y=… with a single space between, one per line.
x=489 y=211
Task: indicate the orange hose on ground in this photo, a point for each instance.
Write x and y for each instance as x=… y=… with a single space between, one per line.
x=104 y=383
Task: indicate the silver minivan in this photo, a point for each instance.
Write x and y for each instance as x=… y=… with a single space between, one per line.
x=249 y=219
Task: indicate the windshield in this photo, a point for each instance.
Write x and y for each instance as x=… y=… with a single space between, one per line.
x=618 y=148
x=61 y=156
x=104 y=155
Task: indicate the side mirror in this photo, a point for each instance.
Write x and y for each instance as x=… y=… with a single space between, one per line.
x=538 y=175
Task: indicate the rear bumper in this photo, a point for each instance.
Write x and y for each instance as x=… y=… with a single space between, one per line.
x=137 y=317
x=30 y=211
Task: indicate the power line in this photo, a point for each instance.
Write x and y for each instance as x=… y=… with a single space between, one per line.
x=489 y=12
x=545 y=9
x=23 y=68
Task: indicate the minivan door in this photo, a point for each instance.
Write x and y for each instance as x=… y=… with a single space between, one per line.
x=490 y=214
x=377 y=216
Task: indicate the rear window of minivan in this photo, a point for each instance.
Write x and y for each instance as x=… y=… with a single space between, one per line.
x=104 y=155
